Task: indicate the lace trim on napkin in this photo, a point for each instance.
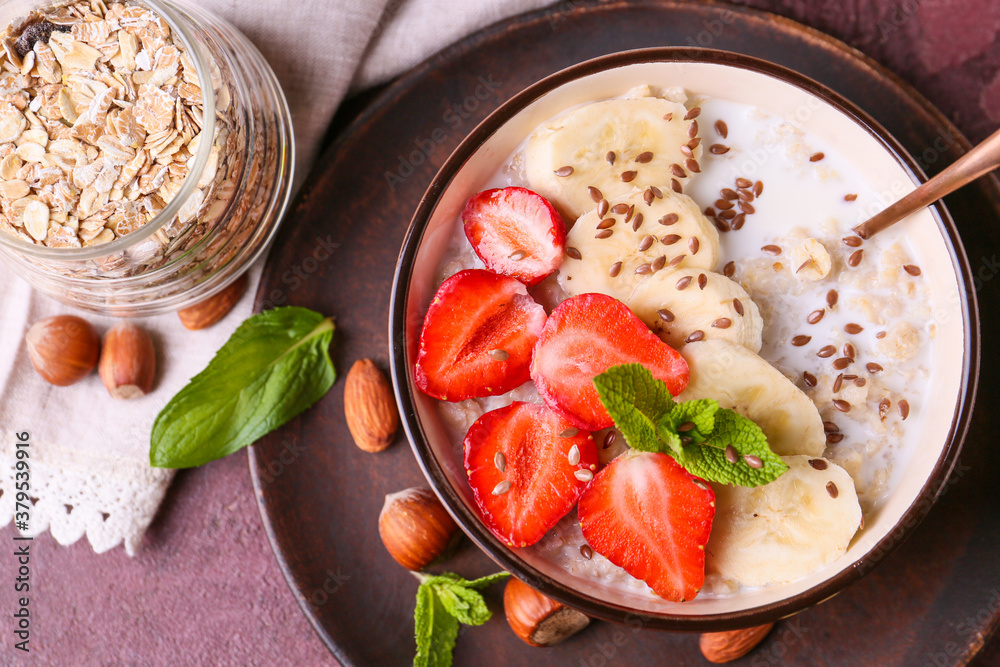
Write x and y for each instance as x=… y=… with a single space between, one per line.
x=110 y=499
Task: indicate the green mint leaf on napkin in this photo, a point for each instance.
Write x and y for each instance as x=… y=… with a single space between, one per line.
x=713 y=443
x=637 y=402
x=274 y=366
x=444 y=601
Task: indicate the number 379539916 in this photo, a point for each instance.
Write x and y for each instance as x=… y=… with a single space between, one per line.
x=22 y=481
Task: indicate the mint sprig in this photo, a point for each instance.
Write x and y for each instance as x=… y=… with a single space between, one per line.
x=696 y=433
x=444 y=601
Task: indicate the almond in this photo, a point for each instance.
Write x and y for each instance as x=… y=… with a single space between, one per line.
x=128 y=361
x=722 y=647
x=206 y=313
x=369 y=407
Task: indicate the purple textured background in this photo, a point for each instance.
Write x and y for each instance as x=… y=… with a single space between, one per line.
x=205 y=588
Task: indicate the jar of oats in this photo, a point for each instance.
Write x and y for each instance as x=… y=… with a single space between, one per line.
x=146 y=152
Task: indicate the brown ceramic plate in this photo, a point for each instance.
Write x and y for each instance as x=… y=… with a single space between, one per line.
x=921 y=467
x=319 y=497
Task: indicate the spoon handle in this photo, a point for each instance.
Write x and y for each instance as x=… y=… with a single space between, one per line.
x=982 y=159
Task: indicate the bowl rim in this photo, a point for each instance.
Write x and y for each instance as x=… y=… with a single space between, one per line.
x=472 y=524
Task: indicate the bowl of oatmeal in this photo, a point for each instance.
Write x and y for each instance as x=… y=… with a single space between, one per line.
x=714 y=195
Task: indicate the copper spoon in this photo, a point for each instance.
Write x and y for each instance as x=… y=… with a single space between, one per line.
x=980 y=160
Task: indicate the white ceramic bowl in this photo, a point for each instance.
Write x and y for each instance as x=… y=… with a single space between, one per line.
x=918 y=475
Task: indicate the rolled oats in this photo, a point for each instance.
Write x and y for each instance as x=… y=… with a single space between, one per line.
x=100 y=123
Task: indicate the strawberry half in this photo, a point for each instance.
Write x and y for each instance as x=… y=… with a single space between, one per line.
x=515 y=232
x=478 y=336
x=524 y=471
x=649 y=516
x=584 y=336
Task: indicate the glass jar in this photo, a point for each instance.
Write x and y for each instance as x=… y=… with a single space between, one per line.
x=222 y=213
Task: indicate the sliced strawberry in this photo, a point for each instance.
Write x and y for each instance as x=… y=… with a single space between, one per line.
x=515 y=232
x=584 y=336
x=524 y=472
x=478 y=337
x=649 y=516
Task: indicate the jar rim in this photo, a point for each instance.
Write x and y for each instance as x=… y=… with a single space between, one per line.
x=164 y=9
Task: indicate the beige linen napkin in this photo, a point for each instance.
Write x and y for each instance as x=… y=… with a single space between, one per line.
x=88 y=452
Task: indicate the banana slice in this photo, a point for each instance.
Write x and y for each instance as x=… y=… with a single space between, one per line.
x=607 y=148
x=784 y=530
x=740 y=380
x=633 y=241
x=691 y=304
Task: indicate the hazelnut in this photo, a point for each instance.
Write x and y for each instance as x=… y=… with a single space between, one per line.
x=128 y=361
x=63 y=349
x=537 y=619
x=415 y=527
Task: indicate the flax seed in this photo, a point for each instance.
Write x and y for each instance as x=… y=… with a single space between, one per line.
x=738 y=307
x=855 y=258
x=718 y=149
x=826 y=351
x=628 y=176
x=615 y=269
x=722 y=129
x=809 y=379
x=722 y=323
x=669 y=219
x=564 y=171
x=665 y=315
x=729 y=270
x=816 y=157
x=772 y=250
x=800 y=340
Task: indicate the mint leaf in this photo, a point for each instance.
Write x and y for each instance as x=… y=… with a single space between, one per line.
x=691 y=421
x=483 y=582
x=637 y=402
x=436 y=630
x=696 y=433
x=274 y=366
x=465 y=604
x=442 y=602
x=733 y=429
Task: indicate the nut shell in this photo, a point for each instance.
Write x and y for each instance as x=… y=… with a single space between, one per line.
x=369 y=407
x=206 y=313
x=415 y=527
x=537 y=619
x=719 y=647
x=128 y=361
x=63 y=349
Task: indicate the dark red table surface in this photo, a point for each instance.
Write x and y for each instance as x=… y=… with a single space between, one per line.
x=205 y=588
